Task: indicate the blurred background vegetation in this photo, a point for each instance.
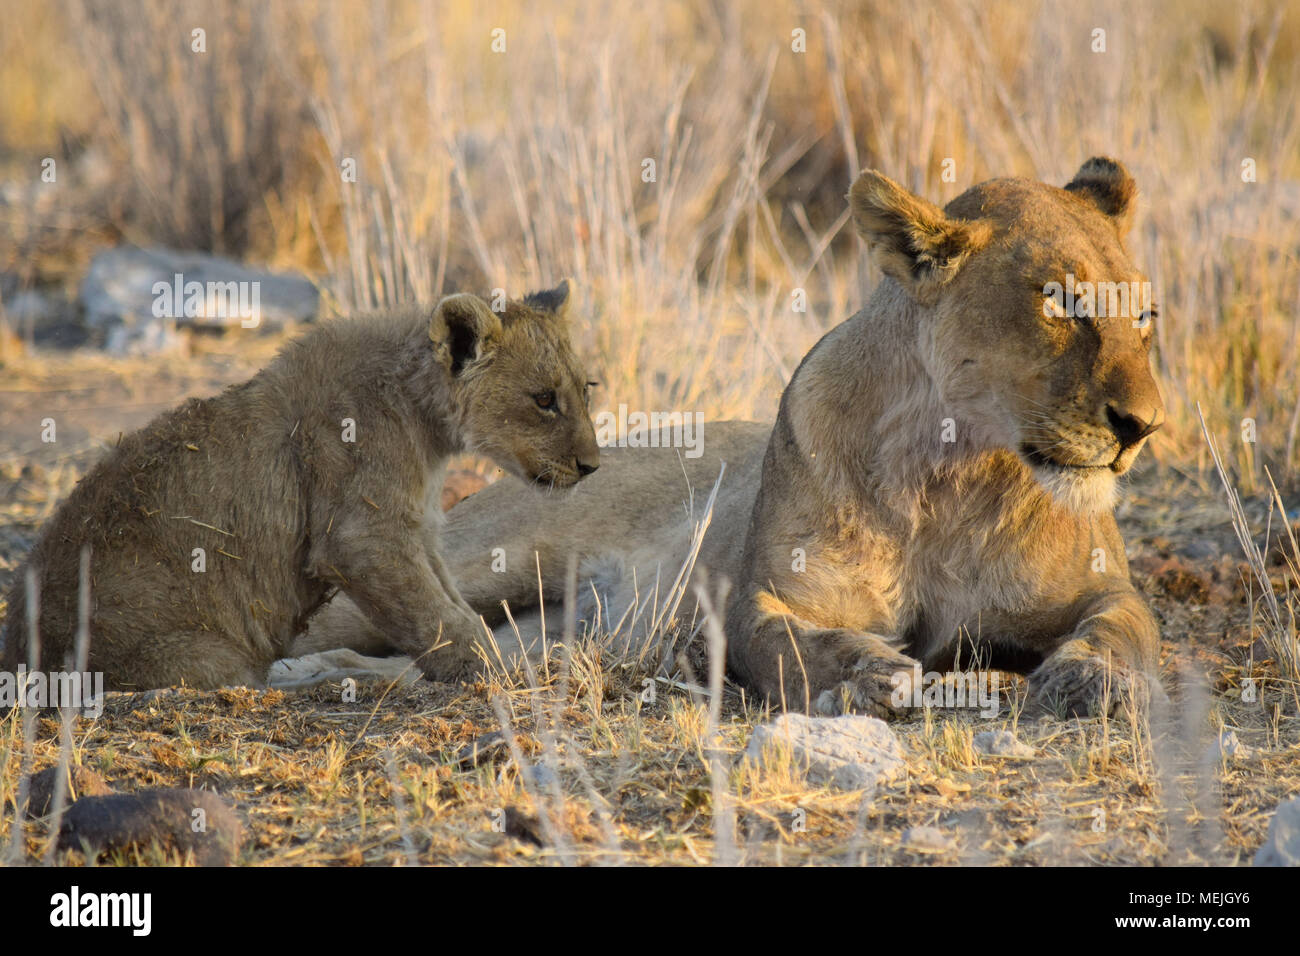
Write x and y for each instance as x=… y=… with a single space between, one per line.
x=479 y=169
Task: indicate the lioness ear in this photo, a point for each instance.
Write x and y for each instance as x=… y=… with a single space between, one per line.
x=555 y=301
x=911 y=239
x=1107 y=185
x=462 y=330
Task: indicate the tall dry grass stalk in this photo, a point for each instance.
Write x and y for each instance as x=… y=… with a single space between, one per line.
x=1278 y=620
x=17 y=831
x=478 y=169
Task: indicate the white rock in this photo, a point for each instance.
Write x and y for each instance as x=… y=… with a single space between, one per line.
x=1227 y=747
x=847 y=752
x=1001 y=743
x=926 y=838
x=1282 y=845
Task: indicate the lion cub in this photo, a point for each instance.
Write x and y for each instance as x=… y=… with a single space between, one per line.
x=216 y=530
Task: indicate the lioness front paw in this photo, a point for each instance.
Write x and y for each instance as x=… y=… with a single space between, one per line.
x=1077 y=681
x=873 y=683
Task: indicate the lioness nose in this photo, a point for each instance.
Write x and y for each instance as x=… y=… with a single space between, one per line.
x=586 y=468
x=1131 y=424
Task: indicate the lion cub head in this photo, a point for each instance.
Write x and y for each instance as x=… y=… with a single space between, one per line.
x=520 y=391
x=1034 y=323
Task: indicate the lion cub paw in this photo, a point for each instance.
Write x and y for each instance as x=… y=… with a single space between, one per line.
x=455 y=656
x=1077 y=681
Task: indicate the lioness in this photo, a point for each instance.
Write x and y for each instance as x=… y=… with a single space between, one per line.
x=939 y=480
x=217 y=529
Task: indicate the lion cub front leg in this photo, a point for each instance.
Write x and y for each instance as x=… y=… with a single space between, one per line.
x=386 y=573
x=805 y=666
x=1107 y=663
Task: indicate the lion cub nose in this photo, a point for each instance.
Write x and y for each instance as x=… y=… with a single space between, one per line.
x=1132 y=424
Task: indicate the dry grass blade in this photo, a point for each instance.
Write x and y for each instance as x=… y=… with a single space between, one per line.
x=724 y=812
x=551 y=826
x=17 y=832
x=67 y=710
x=399 y=806
x=1279 y=630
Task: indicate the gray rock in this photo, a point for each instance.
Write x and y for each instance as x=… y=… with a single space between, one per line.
x=848 y=752
x=133 y=296
x=29 y=306
x=1282 y=845
x=926 y=839
x=541 y=776
x=165 y=817
x=51 y=321
x=1001 y=743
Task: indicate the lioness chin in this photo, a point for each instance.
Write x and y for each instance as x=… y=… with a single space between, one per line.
x=215 y=531
x=937 y=486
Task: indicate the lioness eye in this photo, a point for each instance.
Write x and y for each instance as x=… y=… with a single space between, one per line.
x=545 y=399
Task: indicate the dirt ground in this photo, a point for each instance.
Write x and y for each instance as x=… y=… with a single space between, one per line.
x=583 y=769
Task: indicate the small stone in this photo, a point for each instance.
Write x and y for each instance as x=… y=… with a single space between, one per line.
x=166 y=817
x=481 y=750
x=926 y=839
x=1282 y=845
x=541 y=776
x=82 y=782
x=1227 y=747
x=1002 y=743
x=847 y=752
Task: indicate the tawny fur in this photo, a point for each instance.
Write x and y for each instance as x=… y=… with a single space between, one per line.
x=945 y=460
x=286 y=510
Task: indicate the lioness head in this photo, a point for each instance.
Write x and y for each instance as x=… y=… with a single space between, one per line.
x=521 y=392
x=1035 y=324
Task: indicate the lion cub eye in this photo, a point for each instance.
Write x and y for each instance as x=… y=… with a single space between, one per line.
x=545 y=400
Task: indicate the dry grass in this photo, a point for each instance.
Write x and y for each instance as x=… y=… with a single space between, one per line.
x=483 y=170
x=383 y=781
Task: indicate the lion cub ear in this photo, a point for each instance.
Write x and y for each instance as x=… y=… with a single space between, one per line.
x=462 y=330
x=1107 y=185
x=911 y=239
x=554 y=301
